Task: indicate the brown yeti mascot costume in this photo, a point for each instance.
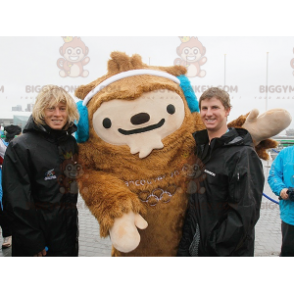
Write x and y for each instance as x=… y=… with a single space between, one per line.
x=137 y=148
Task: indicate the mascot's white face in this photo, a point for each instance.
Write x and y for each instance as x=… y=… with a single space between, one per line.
x=141 y=123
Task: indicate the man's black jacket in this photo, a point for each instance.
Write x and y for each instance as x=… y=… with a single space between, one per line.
x=44 y=212
x=225 y=207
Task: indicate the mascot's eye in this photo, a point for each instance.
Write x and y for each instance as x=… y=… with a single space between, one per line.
x=195 y=51
x=68 y=51
x=106 y=123
x=78 y=51
x=186 y=51
x=170 y=109
x=69 y=168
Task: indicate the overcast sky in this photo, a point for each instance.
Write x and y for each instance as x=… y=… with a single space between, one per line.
x=240 y=62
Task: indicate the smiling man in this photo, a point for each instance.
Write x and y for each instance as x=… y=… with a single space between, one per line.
x=55 y=116
x=223 y=212
x=214 y=116
x=35 y=181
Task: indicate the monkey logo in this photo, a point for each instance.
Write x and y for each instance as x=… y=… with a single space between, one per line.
x=192 y=54
x=292 y=63
x=75 y=54
x=193 y=172
x=70 y=171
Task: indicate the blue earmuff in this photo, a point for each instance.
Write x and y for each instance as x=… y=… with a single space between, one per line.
x=189 y=93
x=82 y=133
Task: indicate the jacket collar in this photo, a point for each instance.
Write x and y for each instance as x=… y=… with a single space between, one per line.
x=235 y=136
x=31 y=126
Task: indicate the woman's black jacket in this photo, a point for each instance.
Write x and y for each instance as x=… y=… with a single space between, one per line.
x=43 y=208
x=225 y=206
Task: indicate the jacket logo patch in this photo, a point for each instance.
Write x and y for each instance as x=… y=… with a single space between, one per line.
x=209 y=172
x=50 y=175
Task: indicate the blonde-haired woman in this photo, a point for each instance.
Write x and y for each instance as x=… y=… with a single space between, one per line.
x=40 y=191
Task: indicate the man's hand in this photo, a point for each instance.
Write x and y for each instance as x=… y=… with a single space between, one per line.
x=41 y=253
x=284 y=194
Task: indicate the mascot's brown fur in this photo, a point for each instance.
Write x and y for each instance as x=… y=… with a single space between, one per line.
x=119 y=187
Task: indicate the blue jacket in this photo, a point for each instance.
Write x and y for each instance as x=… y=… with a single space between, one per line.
x=281 y=176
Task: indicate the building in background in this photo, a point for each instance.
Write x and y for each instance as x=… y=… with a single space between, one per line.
x=21 y=119
x=6 y=119
x=29 y=107
x=17 y=116
x=16 y=108
x=290 y=132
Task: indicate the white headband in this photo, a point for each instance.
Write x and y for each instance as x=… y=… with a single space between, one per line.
x=126 y=74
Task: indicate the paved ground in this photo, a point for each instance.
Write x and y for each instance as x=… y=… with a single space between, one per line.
x=268 y=238
x=267 y=241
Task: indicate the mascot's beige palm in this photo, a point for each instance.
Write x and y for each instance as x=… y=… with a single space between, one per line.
x=138 y=161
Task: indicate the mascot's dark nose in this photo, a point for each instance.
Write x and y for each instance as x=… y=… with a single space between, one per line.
x=140 y=118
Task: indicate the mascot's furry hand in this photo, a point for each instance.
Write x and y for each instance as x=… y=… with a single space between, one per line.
x=124 y=234
x=267 y=124
x=263 y=127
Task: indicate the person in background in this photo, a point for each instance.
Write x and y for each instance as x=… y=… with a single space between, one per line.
x=11 y=132
x=4 y=222
x=3 y=147
x=36 y=189
x=281 y=181
x=222 y=213
x=2 y=132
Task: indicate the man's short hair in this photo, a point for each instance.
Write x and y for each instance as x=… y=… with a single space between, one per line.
x=220 y=94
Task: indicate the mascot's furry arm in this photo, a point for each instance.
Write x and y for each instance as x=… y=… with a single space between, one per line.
x=111 y=213
x=262 y=127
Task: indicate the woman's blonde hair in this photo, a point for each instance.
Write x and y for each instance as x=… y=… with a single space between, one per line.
x=49 y=96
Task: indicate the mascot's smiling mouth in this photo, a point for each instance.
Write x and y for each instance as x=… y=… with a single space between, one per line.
x=141 y=130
